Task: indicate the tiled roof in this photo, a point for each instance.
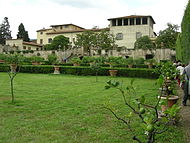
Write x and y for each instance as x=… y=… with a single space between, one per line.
x=133 y=16
x=32 y=43
x=67 y=25
x=75 y=31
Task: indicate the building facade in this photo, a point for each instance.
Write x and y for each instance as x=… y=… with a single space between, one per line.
x=126 y=30
x=19 y=44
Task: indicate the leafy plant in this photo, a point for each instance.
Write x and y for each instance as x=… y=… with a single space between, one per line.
x=52 y=59
x=167 y=74
x=76 y=60
x=14 y=59
x=148 y=115
x=37 y=59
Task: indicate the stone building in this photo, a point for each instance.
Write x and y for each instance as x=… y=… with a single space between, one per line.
x=19 y=44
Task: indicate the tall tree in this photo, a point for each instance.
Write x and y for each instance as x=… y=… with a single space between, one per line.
x=185 y=34
x=87 y=40
x=168 y=36
x=59 y=42
x=178 y=48
x=144 y=43
x=22 y=33
x=106 y=40
x=5 y=32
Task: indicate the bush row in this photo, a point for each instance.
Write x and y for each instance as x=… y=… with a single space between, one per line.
x=75 y=70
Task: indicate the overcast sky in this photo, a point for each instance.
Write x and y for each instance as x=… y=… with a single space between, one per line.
x=36 y=14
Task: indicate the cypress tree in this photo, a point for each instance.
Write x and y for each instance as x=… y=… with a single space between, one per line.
x=22 y=33
x=185 y=35
x=178 y=48
x=5 y=32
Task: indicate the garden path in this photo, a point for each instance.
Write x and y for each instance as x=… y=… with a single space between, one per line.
x=185 y=116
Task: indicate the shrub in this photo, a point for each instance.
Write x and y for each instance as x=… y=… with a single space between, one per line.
x=52 y=59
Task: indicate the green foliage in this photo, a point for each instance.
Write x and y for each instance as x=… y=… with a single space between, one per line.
x=167 y=38
x=22 y=33
x=104 y=71
x=59 y=42
x=52 y=59
x=129 y=61
x=14 y=59
x=105 y=40
x=179 y=49
x=3 y=57
x=144 y=43
x=37 y=59
x=139 y=61
x=75 y=60
x=145 y=113
x=185 y=34
x=5 y=32
x=88 y=59
x=87 y=40
x=167 y=73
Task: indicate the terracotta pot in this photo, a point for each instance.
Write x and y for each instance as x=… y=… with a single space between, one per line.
x=35 y=63
x=2 y=61
x=150 y=66
x=13 y=67
x=76 y=64
x=56 y=70
x=130 y=66
x=170 y=102
x=113 y=72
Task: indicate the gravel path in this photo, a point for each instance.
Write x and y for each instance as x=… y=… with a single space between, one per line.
x=185 y=117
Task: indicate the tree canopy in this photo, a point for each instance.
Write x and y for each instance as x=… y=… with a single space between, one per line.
x=89 y=39
x=59 y=42
x=144 y=43
x=5 y=32
x=167 y=37
x=22 y=33
x=185 y=34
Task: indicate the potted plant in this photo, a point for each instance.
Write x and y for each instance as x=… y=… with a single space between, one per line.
x=150 y=63
x=76 y=61
x=53 y=60
x=130 y=62
x=36 y=60
x=112 y=61
x=168 y=84
x=13 y=60
x=2 y=58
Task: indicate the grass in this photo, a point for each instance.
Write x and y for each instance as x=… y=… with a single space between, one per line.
x=68 y=109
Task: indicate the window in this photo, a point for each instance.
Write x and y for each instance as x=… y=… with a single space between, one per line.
x=144 y=20
x=138 y=21
x=61 y=27
x=131 y=21
x=114 y=22
x=73 y=39
x=24 y=47
x=41 y=32
x=125 y=21
x=119 y=36
x=49 y=40
x=29 y=48
x=138 y=35
x=119 y=22
x=41 y=41
x=37 y=49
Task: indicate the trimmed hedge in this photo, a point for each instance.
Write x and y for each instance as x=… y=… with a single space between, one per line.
x=79 y=70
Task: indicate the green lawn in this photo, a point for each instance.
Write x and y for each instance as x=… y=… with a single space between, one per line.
x=68 y=109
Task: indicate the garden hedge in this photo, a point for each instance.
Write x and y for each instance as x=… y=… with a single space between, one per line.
x=83 y=70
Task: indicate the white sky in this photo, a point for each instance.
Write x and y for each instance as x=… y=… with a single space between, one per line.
x=36 y=14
